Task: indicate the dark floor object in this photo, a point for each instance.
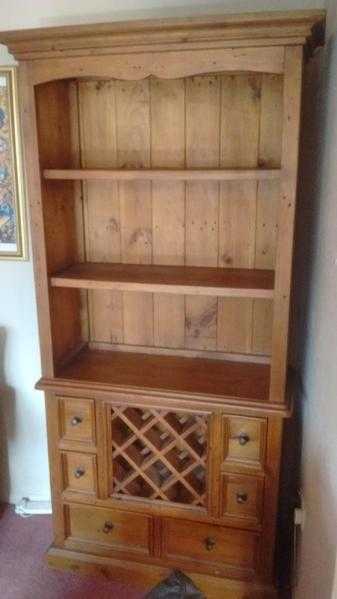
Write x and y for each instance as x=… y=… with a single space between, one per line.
x=25 y=575
x=176 y=586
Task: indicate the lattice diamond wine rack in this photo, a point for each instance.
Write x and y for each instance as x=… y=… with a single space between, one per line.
x=159 y=455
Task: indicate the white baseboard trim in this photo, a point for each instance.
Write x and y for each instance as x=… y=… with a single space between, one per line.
x=32 y=507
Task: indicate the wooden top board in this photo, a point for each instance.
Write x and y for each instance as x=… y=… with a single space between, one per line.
x=270 y=28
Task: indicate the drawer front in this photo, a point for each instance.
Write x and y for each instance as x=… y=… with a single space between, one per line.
x=210 y=544
x=78 y=420
x=242 y=497
x=120 y=530
x=79 y=472
x=245 y=440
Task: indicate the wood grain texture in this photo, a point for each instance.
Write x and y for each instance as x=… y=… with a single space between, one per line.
x=200 y=376
x=244 y=29
x=268 y=197
x=34 y=196
x=55 y=149
x=133 y=150
x=168 y=203
x=101 y=208
x=190 y=280
x=164 y=174
x=166 y=65
x=148 y=575
x=286 y=220
x=201 y=243
x=240 y=110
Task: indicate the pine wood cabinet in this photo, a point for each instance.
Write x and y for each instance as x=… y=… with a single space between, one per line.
x=161 y=164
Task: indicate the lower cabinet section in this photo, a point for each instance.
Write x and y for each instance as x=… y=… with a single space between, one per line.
x=155 y=488
x=191 y=545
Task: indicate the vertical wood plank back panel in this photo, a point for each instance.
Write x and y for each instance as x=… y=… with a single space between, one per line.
x=210 y=121
x=286 y=220
x=97 y=108
x=240 y=120
x=134 y=151
x=168 y=203
x=202 y=203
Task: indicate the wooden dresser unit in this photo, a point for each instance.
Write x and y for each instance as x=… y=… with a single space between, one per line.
x=161 y=163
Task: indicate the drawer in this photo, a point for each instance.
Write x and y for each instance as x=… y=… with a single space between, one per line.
x=224 y=548
x=79 y=472
x=78 y=420
x=242 y=497
x=122 y=531
x=245 y=440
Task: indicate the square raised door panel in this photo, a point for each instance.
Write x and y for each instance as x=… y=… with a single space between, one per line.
x=120 y=530
x=79 y=472
x=244 y=441
x=77 y=420
x=242 y=497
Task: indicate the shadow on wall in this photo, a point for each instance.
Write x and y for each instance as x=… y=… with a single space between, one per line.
x=7 y=420
x=316 y=548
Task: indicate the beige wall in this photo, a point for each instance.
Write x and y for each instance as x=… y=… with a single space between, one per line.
x=317 y=315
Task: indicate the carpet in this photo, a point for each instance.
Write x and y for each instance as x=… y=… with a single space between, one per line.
x=24 y=573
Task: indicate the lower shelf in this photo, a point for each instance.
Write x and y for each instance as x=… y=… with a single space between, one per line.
x=168 y=375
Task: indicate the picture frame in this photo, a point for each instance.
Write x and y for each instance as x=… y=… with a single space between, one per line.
x=13 y=226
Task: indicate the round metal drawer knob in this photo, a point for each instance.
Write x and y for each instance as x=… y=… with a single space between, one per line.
x=108 y=527
x=210 y=543
x=243 y=438
x=241 y=497
x=75 y=421
x=79 y=472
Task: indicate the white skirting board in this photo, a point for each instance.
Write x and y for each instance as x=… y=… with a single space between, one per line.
x=31 y=507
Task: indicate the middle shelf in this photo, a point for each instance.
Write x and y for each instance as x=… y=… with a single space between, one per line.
x=152 y=278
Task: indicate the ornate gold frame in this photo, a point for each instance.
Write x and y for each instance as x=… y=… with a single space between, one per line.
x=21 y=253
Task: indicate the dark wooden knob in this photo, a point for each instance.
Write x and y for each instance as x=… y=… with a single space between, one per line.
x=243 y=438
x=241 y=497
x=79 y=472
x=75 y=421
x=210 y=543
x=108 y=527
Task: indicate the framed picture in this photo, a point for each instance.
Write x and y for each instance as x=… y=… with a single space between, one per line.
x=13 y=242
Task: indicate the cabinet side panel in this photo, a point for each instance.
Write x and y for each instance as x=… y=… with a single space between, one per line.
x=286 y=220
x=33 y=183
x=268 y=198
x=58 y=206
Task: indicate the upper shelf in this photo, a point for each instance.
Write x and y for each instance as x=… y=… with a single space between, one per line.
x=163 y=174
x=187 y=280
